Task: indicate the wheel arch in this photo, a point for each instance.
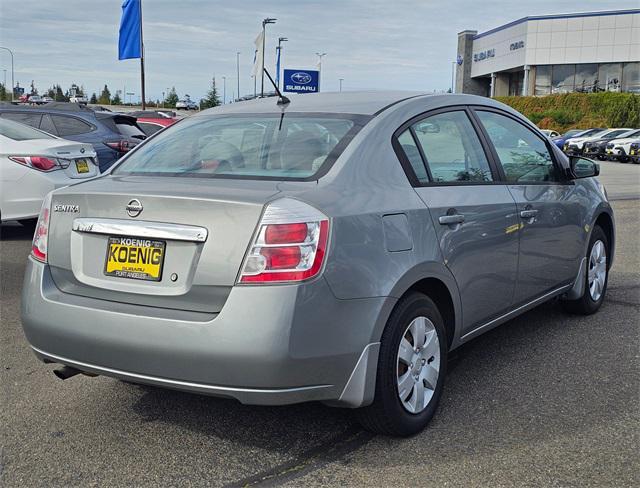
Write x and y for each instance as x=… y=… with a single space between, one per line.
x=605 y=221
x=437 y=282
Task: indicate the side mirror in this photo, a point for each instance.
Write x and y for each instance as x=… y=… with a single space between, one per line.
x=583 y=167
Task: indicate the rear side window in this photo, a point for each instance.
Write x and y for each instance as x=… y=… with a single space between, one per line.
x=149 y=129
x=70 y=126
x=32 y=119
x=261 y=146
x=410 y=148
x=452 y=149
x=524 y=156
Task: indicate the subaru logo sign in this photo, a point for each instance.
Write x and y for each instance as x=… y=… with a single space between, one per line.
x=301 y=77
x=301 y=81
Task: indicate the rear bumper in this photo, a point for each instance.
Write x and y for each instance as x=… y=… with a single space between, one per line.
x=269 y=345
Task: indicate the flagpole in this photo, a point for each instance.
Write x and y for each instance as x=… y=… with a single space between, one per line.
x=142 y=61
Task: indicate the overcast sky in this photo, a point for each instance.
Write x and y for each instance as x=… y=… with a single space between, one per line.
x=371 y=44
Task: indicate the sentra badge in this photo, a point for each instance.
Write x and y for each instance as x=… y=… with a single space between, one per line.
x=66 y=207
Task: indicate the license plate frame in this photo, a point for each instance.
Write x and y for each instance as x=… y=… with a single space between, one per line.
x=82 y=166
x=141 y=271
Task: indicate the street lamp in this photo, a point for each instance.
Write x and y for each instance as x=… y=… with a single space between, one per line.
x=264 y=24
x=13 y=83
x=320 y=56
x=238 y=72
x=224 y=90
x=341 y=80
x=279 y=58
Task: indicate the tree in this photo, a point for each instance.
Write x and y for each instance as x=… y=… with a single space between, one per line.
x=105 y=96
x=51 y=92
x=172 y=98
x=212 y=99
x=116 y=100
x=59 y=95
x=93 y=99
x=3 y=93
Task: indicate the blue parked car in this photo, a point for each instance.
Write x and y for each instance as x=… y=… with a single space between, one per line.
x=560 y=140
x=111 y=134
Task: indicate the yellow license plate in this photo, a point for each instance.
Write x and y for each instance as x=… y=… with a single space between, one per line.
x=82 y=165
x=135 y=258
x=632 y=152
x=609 y=151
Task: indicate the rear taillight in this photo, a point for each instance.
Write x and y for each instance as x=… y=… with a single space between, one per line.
x=40 y=238
x=290 y=244
x=40 y=163
x=120 y=146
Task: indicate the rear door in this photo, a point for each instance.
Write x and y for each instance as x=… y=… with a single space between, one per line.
x=474 y=213
x=549 y=208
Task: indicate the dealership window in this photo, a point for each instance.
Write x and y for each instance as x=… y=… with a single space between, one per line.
x=586 y=77
x=609 y=77
x=563 y=78
x=516 y=82
x=543 y=80
x=631 y=77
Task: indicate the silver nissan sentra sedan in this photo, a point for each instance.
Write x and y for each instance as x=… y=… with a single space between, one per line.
x=334 y=248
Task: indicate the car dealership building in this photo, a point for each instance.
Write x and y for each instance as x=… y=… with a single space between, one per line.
x=539 y=55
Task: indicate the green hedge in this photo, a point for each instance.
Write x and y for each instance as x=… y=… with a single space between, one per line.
x=579 y=110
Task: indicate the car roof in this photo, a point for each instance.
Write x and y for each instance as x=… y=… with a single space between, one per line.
x=357 y=102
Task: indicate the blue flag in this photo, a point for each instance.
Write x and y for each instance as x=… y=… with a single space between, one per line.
x=278 y=68
x=130 y=42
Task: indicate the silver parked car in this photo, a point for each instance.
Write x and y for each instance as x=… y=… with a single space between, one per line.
x=334 y=248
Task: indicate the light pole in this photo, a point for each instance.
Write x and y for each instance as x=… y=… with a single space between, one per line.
x=13 y=83
x=255 y=83
x=341 y=80
x=238 y=71
x=279 y=58
x=162 y=99
x=224 y=90
x=264 y=24
x=5 y=79
x=320 y=56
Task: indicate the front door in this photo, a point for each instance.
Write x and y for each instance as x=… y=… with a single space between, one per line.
x=549 y=211
x=474 y=214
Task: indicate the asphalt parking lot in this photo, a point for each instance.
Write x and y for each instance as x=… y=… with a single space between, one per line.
x=545 y=400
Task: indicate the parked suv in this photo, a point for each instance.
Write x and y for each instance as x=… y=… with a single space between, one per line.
x=618 y=149
x=332 y=248
x=111 y=134
x=634 y=152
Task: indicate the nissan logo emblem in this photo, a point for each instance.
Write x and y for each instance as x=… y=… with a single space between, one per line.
x=134 y=208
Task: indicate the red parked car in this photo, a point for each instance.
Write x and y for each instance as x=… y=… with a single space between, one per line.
x=151 y=121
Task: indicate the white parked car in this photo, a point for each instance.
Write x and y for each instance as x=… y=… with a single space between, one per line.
x=619 y=149
x=81 y=99
x=550 y=133
x=575 y=145
x=33 y=163
x=186 y=105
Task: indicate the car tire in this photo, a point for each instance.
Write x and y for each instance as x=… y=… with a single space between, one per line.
x=594 y=292
x=389 y=414
x=28 y=223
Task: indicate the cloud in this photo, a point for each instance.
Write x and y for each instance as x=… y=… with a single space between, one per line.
x=400 y=44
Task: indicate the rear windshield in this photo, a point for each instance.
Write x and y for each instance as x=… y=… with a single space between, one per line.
x=294 y=146
x=20 y=132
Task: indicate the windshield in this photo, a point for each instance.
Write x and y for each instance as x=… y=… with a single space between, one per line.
x=614 y=133
x=20 y=132
x=265 y=146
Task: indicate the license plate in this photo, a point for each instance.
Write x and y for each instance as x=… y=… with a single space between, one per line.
x=632 y=152
x=82 y=165
x=609 y=151
x=134 y=258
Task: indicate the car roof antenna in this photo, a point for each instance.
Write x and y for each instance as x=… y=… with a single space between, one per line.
x=282 y=100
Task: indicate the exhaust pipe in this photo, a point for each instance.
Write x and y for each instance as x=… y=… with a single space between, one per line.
x=66 y=372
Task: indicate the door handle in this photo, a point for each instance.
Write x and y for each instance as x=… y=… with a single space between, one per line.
x=451 y=219
x=528 y=214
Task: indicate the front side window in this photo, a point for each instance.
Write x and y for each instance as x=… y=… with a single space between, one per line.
x=21 y=132
x=523 y=155
x=452 y=149
x=259 y=146
x=24 y=118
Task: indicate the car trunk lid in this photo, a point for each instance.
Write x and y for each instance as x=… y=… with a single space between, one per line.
x=199 y=228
